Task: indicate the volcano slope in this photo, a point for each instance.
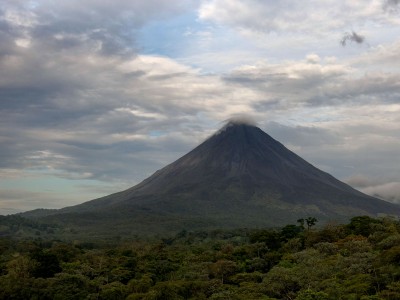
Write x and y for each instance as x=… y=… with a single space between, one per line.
x=239 y=177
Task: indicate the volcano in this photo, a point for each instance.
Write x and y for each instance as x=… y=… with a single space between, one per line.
x=239 y=177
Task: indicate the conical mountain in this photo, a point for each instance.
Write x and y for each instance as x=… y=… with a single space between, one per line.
x=239 y=177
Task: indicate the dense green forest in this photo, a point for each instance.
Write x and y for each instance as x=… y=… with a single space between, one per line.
x=359 y=260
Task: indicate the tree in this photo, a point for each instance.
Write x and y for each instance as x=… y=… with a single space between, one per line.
x=47 y=264
x=301 y=222
x=67 y=286
x=21 y=267
x=311 y=295
x=113 y=291
x=362 y=225
x=311 y=221
x=222 y=268
x=271 y=238
x=281 y=282
x=290 y=231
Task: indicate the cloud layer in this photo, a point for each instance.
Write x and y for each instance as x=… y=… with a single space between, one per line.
x=82 y=101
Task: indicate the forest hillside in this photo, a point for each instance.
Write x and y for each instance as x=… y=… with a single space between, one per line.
x=358 y=260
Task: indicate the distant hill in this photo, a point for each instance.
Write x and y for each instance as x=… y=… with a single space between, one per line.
x=239 y=177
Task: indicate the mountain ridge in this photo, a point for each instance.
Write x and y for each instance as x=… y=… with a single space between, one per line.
x=238 y=177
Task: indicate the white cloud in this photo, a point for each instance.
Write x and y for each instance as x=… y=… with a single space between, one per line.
x=318 y=17
x=389 y=191
x=79 y=101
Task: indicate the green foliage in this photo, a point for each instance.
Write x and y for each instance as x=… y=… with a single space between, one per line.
x=47 y=264
x=311 y=295
x=67 y=286
x=270 y=238
x=362 y=225
x=290 y=231
x=18 y=226
x=311 y=221
x=360 y=260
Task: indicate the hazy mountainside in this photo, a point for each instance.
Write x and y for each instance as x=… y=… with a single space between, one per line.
x=239 y=177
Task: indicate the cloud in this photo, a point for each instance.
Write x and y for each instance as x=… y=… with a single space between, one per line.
x=360 y=181
x=74 y=91
x=391 y=5
x=308 y=81
x=80 y=101
x=14 y=200
x=389 y=191
x=242 y=119
x=127 y=112
x=302 y=136
x=121 y=112
x=291 y=16
x=85 y=109
x=352 y=37
x=101 y=27
x=18 y=200
x=318 y=82
x=382 y=57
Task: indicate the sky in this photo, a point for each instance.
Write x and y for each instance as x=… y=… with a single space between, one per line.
x=95 y=96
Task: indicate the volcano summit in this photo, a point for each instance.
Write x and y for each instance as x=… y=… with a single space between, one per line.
x=239 y=177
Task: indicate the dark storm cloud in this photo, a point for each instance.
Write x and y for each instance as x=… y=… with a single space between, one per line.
x=352 y=37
